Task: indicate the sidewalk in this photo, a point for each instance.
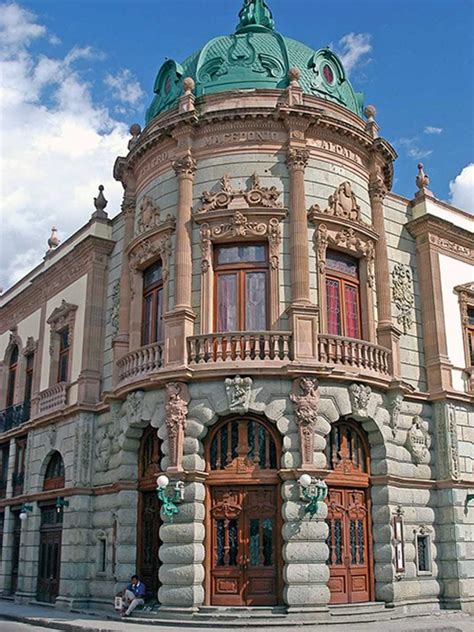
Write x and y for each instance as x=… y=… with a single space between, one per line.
x=79 y=622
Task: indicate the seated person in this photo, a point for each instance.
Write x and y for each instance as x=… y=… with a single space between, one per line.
x=133 y=596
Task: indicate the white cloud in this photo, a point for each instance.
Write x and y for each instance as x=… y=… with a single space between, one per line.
x=353 y=49
x=57 y=143
x=429 y=129
x=124 y=87
x=412 y=148
x=462 y=189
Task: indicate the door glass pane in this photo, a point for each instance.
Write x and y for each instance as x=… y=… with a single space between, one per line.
x=255 y=301
x=342 y=263
x=360 y=540
x=220 y=537
x=333 y=307
x=267 y=542
x=233 y=543
x=338 y=541
x=351 y=298
x=254 y=541
x=353 y=542
x=159 y=313
x=227 y=302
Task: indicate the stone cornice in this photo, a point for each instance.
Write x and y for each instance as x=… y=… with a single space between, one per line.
x=443 y=236
x=55 y=278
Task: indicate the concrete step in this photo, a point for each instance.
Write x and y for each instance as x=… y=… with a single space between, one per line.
x=359 y=612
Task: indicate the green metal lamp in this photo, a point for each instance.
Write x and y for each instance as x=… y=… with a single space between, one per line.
x=60 y=504
x=469 y=497
x=170 y=508
x=312 y=491
x=24 y=511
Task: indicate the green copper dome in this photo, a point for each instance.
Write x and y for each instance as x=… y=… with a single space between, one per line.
x=254 y=57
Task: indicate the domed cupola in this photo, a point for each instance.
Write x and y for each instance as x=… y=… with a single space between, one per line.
x=256 y=56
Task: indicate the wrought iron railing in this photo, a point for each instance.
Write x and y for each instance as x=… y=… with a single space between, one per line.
x=14 y=416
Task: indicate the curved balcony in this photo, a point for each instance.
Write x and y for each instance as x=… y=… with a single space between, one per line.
x=53 y=398
x=352 y=353
x=141 y=362
x=240 y=346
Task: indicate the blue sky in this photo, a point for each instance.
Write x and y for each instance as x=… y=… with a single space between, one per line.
x=77 y=73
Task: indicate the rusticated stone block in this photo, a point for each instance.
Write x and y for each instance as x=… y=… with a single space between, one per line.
x=182 y=553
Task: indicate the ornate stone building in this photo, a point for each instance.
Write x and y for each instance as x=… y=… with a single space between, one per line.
x=263 y=307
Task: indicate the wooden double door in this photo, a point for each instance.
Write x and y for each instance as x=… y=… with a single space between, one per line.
x=349 y=545
x=49 y=554
x=148 y=544
x=244 y=560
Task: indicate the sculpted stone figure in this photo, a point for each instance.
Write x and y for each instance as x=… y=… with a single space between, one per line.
x=176 y=410
x=360 y=399
x=417 y=441
x=306 y=398
x=238 y=392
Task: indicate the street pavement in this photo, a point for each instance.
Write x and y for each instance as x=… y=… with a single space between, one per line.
x=21 y=618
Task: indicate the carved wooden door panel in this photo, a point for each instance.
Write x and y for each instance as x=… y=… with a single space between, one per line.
x=348 y=545
x=148 y=562
x=244 y=533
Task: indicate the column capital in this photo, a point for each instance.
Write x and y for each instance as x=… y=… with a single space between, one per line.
x=297 y=158
x=185 y=167
x=377 y=191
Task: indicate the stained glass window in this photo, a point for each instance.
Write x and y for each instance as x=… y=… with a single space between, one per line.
x=342 y=295
x=328 y=73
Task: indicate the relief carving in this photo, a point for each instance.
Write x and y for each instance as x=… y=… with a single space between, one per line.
x=149 y=215
x=297 y=158
x=152 y=249
x=447 y=441
x=360 y=399
x=306 y=398
x=342 y=203
x=256 y=195
x=394 y=407
x=403 y=295
x=30 y=346
x=176 y=410
x=417 y=441
x=115 y=309
x=238 y=390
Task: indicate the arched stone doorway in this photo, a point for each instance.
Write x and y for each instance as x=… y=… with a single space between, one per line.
x=148 y=523
x=350 y=531
x=243 y=543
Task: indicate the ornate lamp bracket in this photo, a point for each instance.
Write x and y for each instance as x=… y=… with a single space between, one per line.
x=312 y=492
x=170 y=501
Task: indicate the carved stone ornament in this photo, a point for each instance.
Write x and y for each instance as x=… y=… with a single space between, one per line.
x=238 y=390
x=115 y=309
x=466 y=300
x=52 y=435
x=30 y=347
x=417 y=441
x=238 y=227
x=447 y=441
x=346 y=239
x=342 y=203
x=394 y=406
x=360 y=399
x=104 y=447
x=62 y=317
x=255 y=195
x=149 y=217
x=134 y=407
x=185 y=166
x=176 y=410
x=305 y=397
x=152 y=249
x=403 y=295
x=297 y=159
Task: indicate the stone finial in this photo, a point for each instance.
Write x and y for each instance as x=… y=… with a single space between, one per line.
x=188 y=85
x=294 y=75
x=370 y=113
x=53 y=241
x=135 y=131
x=100 y=203
x=422 y=182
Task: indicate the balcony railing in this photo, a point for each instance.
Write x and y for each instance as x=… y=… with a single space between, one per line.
x=357 y=354
x=53 y=398
x=141 y=362
x=239 y=345
x=14 y=416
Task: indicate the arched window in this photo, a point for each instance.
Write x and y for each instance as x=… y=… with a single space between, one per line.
x=342 y=295
x=243 y=446
x=30 y=359
x=241 y=276
x=54 y=477
x=152 y=304
x=12 y=371
x=347 y=452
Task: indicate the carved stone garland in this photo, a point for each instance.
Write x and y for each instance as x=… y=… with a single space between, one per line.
x=403 y=295
x=306 y=398
x=176 y=410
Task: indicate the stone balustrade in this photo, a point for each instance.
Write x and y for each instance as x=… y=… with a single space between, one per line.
x=349 y=352
x=141 y=362
x=53 y=398
x=239 y=345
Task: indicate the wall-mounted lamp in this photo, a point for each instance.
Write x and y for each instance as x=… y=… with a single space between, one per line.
x=60 y=504
x=169 y=502
x=469 y=497
x=312 y=491
x=24 y=511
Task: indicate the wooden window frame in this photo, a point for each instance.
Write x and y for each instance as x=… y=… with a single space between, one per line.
x=153 y=290
x=19 y=466
x=466 y=304
x=54 y=482
x=61 y=318
x=12 y=377
x=5 y=453
x=344 y=280
x=240 y=269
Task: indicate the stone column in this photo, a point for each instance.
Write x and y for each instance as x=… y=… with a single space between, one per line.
x=182 y=553
x=387 y=334
x=302 y=313
x=7 y=549
x=29 y=556
x=179 y=322
x=305 y=553
x=121 y=341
